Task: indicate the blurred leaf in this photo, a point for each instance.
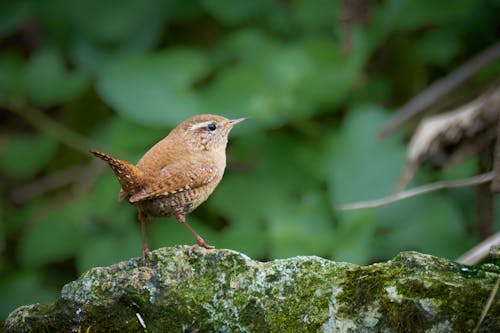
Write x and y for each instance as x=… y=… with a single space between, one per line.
x=333 y=73
x=106 y=249
x=91 y=57
x=286 y=73
x=113 y=21
x=154 y=90
x=184 y=11
x=439 y=47
x=354 y=240
x=111 y=232
x=126 y=136
x=236 y=12
x=3 y=232
x=464 y=198
x=23 y=155
x=103 y=199
x=136 y=28
x=264 y=81
x=47 y=82
x=303 y=226
x=107 y=215
x=376 y=87
x=423 y=12
x=10 y=76
x=363 y=166
x=292 y=217
x=12 y=16
x=16 y=220
x=21 y=288
x=246 y=202
x=390 y=17
x=295 y=172
x=242 y=91
x=51 y=16
x=233 y=195
x=275 y=82
x=430 y=213
x=54 y=237
x=246 y=46
x=463 y=169
x=316 y=15
x=434 y=225
x=246 y=235
x=274 y=173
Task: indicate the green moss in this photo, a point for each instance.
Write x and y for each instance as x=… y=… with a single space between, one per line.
x=224 y=291
x=414 y=293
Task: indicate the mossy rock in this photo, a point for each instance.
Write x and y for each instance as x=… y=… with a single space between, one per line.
x=225 y=291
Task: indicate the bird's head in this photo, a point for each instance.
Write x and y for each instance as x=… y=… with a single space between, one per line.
x=206 y=132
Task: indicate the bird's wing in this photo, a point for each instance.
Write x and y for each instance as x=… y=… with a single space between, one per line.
x=174 y=182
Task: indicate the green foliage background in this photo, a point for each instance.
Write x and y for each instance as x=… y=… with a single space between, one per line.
x=123 y=73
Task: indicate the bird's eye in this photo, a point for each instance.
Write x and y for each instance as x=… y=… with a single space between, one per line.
x=211 y=127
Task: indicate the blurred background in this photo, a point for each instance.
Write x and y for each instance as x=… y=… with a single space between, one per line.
x=319 y=79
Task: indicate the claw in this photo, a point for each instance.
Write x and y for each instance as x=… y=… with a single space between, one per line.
x=199 y=243
x=145 y=254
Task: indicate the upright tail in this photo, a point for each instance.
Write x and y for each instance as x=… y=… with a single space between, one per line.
x=128 y=175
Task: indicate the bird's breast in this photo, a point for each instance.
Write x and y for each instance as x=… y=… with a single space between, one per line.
x=178 y=203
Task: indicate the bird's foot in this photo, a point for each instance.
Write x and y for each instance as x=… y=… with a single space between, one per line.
x=145 y=254
x=199 y=243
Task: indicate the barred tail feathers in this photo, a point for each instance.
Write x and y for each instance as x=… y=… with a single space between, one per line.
x=128 y=175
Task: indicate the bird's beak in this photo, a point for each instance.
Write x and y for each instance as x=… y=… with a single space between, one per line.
x=237 y=120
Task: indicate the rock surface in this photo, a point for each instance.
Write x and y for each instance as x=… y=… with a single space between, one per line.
x=225 y=291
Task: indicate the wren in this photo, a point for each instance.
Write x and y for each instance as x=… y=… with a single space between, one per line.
x=178 y=173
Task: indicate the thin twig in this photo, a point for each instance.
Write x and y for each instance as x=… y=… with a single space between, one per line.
x=480 y=251
x=479 y=179
x=42 y=185
x=46 y=124
x=82 y=176
x=84 y=183
x=495 y=184
x=488 y=305
x=441 y=87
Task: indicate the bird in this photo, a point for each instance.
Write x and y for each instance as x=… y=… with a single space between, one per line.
x=177 y=174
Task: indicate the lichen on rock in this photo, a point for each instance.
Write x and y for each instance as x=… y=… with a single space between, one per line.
x=225 y=291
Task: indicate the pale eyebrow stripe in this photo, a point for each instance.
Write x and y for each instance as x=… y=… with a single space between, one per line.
x=200 y=125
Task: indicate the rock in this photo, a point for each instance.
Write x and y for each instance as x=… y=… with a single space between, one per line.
x=225 y=291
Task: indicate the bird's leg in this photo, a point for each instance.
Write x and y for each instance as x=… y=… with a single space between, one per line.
x=143 y=219
x=199 y=241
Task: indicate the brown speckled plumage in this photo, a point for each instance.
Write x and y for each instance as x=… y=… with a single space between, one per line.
x=178 y=173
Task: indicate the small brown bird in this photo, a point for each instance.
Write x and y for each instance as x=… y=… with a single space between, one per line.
x=178 y=173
